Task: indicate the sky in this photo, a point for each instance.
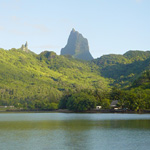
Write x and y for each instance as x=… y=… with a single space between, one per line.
x=111 y=26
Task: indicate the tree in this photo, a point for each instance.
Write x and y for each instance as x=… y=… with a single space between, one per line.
x=63 y=102
x=81 y=102
x=53 y=106
x=105 y=103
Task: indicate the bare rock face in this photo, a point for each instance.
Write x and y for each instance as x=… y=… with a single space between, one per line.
x=25 y=47
x=77 y=46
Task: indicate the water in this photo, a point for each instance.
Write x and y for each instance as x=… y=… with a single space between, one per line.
x=59 y=131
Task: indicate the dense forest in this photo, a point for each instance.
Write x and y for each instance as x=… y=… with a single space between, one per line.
x=48 y=81
x=124 y=69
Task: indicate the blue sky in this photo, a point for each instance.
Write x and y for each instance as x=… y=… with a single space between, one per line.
x=111 y=26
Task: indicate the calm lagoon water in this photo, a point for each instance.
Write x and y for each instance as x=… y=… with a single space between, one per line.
x=60 y=131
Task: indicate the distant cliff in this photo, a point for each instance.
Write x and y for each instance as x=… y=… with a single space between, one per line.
x=77 y=46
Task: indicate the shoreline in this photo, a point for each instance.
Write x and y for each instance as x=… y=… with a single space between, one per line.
x=68 y=111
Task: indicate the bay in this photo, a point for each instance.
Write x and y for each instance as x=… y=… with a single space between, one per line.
x=74 y=131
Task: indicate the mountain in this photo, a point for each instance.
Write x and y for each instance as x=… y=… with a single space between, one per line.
x=123 y=69
x=77 y=46
x=32 y=81
x=137 y=55
x=28 y=79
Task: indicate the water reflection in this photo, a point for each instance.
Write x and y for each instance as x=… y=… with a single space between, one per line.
x=75 y=125
x=74 y=132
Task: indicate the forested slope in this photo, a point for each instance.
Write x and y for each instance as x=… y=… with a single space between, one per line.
x=124 y=69
x=27 y=78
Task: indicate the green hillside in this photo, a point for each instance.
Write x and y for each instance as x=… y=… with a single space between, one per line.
x=29 y=79
x=43 y=81
x=137 y=55
x=123 y=69
x=142 y=81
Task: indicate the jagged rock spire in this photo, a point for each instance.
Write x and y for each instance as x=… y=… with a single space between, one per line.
x=73 y=30
x=77 y=46
x=25 y=47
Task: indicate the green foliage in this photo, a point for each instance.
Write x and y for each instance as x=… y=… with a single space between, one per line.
x=143 y=81
x=41 y=82
x=116 y=94
x=53 y=106
x=63 y=102
x=105 y=103
x=78 y=102
x=109 y=60
x=137 y=100
x=134 y=99
x=137 y=55
x=123 y=69
x=32 y=81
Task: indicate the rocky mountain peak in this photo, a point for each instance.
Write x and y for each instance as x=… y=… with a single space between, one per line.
x=77 y=46
x=25 y=47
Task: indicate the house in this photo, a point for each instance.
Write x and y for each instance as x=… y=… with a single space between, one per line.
x=6 y=106
x=3 y=106
x=114 y=104
x=98 y=107
x=11 y=106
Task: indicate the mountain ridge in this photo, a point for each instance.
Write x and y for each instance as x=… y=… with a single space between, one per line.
x=125 y=68
x=29 y=77
x=29 y=80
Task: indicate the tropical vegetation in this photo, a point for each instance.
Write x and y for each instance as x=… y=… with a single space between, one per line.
x=48 y=81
